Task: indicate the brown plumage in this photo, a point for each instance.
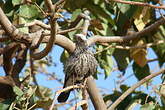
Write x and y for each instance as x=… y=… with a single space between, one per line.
x=79 y=66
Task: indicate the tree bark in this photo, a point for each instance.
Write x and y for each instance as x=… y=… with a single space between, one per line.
x=96 y=98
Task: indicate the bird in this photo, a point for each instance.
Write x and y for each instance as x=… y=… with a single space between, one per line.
x=80 y=65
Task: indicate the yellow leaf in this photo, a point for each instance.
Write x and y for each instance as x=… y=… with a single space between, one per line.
x=142 y=17
x=139 y=24
x=139 y=55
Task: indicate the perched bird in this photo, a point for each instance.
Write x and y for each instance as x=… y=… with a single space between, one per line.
x=79 y=66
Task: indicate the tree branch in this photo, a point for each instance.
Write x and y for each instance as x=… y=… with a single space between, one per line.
x=96 y=98
x=7 y=80
x=7 y=57
x=63 y=42
x=110 y=39
x=49 y=5
x=82 y=102
x=130 y=90
x=19 y=63
x=131 y=47
x=6 y=24
x=138 y=3
x=49 y=45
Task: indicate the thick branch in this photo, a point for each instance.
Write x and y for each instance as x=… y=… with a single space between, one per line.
x=7 y=57
x=63 y=42
x=6 y=80
x=130 y=90
x=94 y=94
x=50 y=43
x=49 y=4
x=20 y=62
x=6 y=24
x=86 y=23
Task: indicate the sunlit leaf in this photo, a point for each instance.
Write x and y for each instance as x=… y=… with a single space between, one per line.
x=141 y=17
x=75 y=14
x=29 y=11
x=17 y=91
x=16 y=2
x=139 y=24
x=24 y=29
x=5 y=104
x=139 y=54
x=133 y=104
x=148 y=106
x=64 y=56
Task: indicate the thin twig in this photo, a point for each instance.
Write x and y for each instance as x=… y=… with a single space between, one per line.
x=69 y=30
x=132 y=47
x=53 y=102
x=137 y=3
x=85 y=97
x=69 y=88
x=37 y=22
x=40 y=9
x=82 y=102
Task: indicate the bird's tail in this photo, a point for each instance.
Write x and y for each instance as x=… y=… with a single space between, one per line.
x=63 y=96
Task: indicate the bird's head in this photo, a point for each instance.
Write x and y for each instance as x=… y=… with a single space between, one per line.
x=81 y=39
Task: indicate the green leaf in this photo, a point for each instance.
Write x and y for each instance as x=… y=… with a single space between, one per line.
x=148 y=106
x=100 y=12
x=159 y=49
x=17 y=91
x=141 y=72
x=5 y=104
x=64 y=56
x=123 y=7
x=124 y=17
x=122 y=58
x=24 y=29
x=145 y=98
x=133 y=104
x=29 y=11
x=16 y=2
x=128 y=10
x=105 y=60
x=75 y=14
x=8 y=7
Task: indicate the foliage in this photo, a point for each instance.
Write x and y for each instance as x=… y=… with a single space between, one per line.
x=108 y=19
